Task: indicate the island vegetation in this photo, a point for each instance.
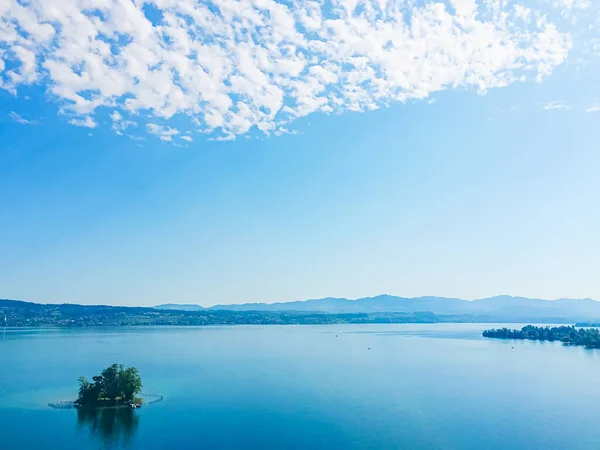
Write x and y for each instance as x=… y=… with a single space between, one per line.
x=115 y=386
x=568 y=335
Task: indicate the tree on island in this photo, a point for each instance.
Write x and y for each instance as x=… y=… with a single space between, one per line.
x=116 y=385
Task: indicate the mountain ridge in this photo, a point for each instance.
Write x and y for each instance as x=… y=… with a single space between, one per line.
x=504 y=306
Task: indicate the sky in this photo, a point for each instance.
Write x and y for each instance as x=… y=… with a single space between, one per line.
x=168 y=151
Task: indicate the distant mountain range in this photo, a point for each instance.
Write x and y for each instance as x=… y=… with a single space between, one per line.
x=380 y=309
x=502 y=308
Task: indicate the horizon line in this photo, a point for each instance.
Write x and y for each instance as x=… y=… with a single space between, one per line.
x=300 y=301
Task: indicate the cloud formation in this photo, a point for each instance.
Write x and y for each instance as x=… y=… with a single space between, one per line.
x=163 y=133
x=555 y=106
x=86 y=122
x=19 y=119
x=229 y=66
x=593 y=109
x=119 y=124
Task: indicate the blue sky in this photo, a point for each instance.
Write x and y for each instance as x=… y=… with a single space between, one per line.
x=467 y=177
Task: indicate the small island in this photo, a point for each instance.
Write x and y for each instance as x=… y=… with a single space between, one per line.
x=115 y=386
x=568 y=335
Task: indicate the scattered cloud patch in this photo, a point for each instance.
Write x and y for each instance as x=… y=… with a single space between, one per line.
x=569 y=5
x=571 y=10
x=236 y=66
x=228 y=137
x=187 y=138
x=593 y=109
x=555 y=106
x=119 y=124
x=163 y=133
x=283 y=130
x=86 y=122
x=20 y=119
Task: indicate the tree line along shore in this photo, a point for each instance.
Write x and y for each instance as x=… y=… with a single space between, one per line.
x=568 y=335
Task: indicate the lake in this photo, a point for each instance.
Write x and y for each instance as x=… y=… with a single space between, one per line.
x=421 y=386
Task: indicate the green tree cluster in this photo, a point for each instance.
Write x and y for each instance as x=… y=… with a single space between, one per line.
x=588 y=337
x=116 y=385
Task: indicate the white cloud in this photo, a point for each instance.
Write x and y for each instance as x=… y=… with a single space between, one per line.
x=187 y=138
x=232 y=66
x=163 y=133
x=571 y=10
x=119 y=124
x=523 y=13
x=554 y=106
x=568 y=5
x=20 y=119
x=87 y=122
x=594 y=108
x=227 y=137
x=283 y=130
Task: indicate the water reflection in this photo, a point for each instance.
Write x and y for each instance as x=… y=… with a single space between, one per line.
x=115 y=427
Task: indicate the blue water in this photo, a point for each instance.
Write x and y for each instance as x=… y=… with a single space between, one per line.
x=297 y=387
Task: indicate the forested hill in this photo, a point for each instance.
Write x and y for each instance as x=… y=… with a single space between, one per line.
x=496 y=310
x=24 y=314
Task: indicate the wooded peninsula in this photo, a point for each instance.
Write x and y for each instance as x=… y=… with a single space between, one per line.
x=587 y=337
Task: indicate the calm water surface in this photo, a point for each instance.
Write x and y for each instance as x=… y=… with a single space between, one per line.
x=364 y=386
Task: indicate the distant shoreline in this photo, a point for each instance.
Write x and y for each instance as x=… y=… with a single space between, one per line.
x=382 y=310
x=175 y=325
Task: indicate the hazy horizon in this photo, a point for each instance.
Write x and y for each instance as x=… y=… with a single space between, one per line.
x=209 y=305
